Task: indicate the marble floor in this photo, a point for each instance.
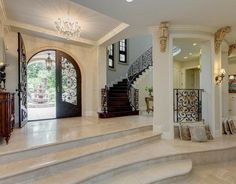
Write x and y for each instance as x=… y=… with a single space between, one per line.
x=53 y=131
x=41 y=113
x=218 y=173
x=61 y=130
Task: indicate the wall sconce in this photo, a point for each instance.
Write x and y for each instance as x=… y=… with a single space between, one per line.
x=231 y=77
x=219 y=78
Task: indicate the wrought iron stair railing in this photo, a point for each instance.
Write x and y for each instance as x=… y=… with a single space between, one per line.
x=142 y=63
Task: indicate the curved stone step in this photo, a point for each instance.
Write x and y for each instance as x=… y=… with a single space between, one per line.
x=148 y=174
x=60 y=146
x=56 y=162
x=115 y=171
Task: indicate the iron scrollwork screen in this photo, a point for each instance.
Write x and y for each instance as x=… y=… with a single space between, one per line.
x=187 y=105
x=69 y=82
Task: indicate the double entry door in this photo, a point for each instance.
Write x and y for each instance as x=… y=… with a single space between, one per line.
x=68 y=85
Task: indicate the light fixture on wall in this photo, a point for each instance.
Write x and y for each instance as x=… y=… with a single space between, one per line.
x=68 y=28
x=48 y=62
x=231 y=77
x=219 y=78
x=2 y=65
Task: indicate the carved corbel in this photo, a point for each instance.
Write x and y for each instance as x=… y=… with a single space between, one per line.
x=220 y=35
x=163 y=35
x=231 y=49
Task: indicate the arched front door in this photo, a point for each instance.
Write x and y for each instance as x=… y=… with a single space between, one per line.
x=68 y=86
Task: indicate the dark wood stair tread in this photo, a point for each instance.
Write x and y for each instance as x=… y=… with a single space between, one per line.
x=117 y=114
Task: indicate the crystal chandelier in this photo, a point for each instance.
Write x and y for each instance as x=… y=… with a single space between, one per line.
x=68 y=28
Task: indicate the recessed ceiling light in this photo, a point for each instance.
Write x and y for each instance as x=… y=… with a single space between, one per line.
x=194 y=44
x=185 y=57
x=129 y=1
x=190 y=53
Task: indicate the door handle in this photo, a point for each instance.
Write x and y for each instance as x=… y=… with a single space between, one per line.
x=58 y=89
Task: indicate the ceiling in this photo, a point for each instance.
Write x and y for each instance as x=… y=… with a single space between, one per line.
x=151 y=12
x=43 y=13
x=102 y=20
x=143 y=13
x=190 y=49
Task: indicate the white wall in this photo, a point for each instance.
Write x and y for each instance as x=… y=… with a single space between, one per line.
x=145 y=80
x=86 y=57
x=136 y=47
x=180 y=76
x=178 y=79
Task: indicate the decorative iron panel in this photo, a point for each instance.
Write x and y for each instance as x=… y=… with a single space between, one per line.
x=187 y=105
x=22 y=82
x=69 y=82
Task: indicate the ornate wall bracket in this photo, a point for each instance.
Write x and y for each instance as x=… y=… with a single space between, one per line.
x=220 y=35
x=163 y=35
x=231 y=49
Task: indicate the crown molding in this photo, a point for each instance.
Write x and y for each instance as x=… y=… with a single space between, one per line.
x=3 y=16
x=112 y=33
x=43 y=31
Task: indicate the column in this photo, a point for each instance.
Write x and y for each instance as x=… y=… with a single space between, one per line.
x=163 y=88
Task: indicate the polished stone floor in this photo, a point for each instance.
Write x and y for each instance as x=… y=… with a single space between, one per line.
x=218 y=173
x=53 y=131
x=60 y=130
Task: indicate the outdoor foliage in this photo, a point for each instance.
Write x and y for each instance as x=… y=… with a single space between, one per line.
x=39 y=75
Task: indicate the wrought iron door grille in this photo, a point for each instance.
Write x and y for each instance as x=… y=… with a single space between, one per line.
x=187 y=105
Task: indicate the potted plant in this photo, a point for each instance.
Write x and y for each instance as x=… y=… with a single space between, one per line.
x=149 y=90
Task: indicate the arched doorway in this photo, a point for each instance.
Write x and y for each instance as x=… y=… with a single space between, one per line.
x=54 y=86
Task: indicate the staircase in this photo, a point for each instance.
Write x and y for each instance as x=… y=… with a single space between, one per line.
x=118 y=103
x=122 y=99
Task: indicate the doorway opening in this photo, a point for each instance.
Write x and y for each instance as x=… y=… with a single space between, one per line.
x=53 y=86
x=41 y=78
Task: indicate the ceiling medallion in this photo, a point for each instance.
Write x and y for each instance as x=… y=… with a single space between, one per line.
x=68 y=28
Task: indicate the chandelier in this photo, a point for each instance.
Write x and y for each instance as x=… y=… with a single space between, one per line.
x=68 y=28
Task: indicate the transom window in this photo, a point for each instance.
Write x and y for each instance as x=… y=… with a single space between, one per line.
x=111 y=56
x=123 y=51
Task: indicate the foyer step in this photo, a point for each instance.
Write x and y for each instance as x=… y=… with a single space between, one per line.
x=32 y=167
x=114 y=169
x=149 y=173
x=60 y=146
